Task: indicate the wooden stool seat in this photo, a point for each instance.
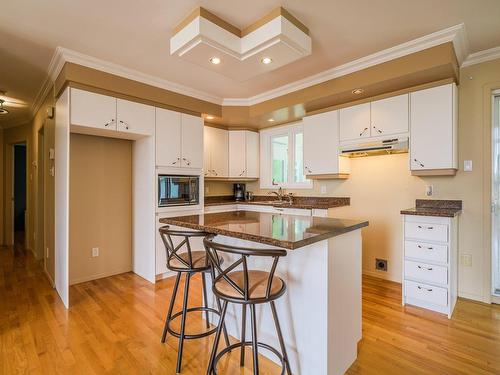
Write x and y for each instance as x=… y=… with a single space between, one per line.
x=257 y=285
x=199 y=261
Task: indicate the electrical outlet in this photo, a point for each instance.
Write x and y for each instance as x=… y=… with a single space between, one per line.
x=47 y=253
x=207 y=189
x=467 y=165
x=466 y=260
x=429 y=190
x=95 y=252
x=323 y=189
x=381 y=264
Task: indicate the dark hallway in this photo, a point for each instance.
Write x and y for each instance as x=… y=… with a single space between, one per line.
x=19 y=191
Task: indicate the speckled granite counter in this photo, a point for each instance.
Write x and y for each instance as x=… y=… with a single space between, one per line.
x=298 y=202
x=435 y=207
x=287 y=231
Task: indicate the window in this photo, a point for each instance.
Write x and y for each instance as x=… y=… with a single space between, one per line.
x=282 y=158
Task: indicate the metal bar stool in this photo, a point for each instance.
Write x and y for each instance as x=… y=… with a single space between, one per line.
x=245 y=287
x=187 y=262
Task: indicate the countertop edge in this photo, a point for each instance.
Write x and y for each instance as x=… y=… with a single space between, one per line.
x=431 y=212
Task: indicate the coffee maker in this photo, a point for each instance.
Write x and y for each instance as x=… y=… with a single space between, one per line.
x=239 y=192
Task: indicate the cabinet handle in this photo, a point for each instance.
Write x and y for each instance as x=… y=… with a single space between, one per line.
x=213 y=171
x=377 y=129
x=187 y=161
x=363 y=132
x=175 y=162
x=109 y=123
x=124 y=123
x=242 y=173
x=308 y=170
x=425 y=268
x=421 y=288
x=419 y=163
x=429 y=228
x=428 y=247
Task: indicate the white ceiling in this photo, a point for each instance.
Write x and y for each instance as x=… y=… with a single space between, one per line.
x=135 y=34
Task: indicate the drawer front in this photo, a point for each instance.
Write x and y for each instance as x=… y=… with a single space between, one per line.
x=426 y=272
x=426 y=251
x=427 y=231
x=427 y=293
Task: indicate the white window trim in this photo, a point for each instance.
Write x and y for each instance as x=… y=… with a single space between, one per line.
x=265 y=157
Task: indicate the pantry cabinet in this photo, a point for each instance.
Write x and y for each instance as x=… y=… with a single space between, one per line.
x=243 y=154
x=321 y=147
x=433 y=131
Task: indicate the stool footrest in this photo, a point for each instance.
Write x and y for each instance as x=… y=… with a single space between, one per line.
x=194 y=335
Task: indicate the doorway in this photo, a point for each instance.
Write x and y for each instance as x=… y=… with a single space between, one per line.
x=19 y=194
x=495 y=199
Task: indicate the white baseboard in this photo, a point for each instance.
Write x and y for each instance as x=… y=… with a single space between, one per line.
x=165 y=275
x=382 y=275
x=471 y=296
x=52 y=283
x=98 y=276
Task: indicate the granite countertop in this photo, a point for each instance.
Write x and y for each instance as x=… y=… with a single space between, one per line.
x=435 y=207
x=298 y=202
x=286 y=231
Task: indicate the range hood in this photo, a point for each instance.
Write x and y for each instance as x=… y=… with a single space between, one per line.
x=393 y=145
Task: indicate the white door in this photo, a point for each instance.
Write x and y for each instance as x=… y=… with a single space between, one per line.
x=252 y=154
x=219 y=151
x=390 y=116
x=168 y=138
x=355 y=122
x=135 y=118
x=495 y=189
x=93 y=110
x=191 y=141
x=431 y=128
x=237 y=154
x=321 y=139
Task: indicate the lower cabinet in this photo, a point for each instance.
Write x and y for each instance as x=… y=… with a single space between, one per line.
x=430 y=262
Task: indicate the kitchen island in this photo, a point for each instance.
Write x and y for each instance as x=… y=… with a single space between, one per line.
x=320 y=313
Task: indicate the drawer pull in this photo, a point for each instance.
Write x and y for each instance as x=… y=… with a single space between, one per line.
x=421 y=288
x=422 y=227
x=425 y=268
x=428 y=248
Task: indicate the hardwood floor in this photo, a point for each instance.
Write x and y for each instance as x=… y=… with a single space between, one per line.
x=114 y=327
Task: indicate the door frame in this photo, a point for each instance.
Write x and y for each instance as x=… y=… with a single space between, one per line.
x=495 y=231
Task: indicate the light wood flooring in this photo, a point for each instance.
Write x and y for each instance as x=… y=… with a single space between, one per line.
x=114 y=327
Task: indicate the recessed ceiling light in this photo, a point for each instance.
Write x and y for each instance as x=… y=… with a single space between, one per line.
x=210 y=117
x=215 y=60
x=266 y=60
x=358 y=91
x=270 y=120
x=3 y=111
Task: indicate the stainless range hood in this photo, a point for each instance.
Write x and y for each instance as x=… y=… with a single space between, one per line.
x=392 y=145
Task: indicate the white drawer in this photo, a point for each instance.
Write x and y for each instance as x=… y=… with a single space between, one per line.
x=426 y=251
x=426 y=272
x=426 y=293
x=427 y=231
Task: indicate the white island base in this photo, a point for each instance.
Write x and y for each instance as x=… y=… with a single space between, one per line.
x=320 y=313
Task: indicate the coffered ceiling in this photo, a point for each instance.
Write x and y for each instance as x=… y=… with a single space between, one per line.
x=136 y=36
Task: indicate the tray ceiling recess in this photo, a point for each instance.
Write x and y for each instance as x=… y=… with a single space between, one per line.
x=275 y=40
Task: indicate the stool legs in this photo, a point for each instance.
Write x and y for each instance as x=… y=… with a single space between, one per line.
x=243 y=328
x=170 y=307
x=254 y=341
x=280 y=338
x=183 y=322
x=217 y=337
x=205 y=299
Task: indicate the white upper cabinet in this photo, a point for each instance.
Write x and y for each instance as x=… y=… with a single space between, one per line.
x=192 y=141
x=355 y=122
x=179 y=139
x=321 y=146
x=433 y=130
x=135 y=117
x=168 y=138
x=389 y=116
x=92 y=110
x=243 y=154
x=216 y=154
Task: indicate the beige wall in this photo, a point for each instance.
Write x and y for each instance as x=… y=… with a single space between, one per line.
x=218 y=188
x=100 y=207
x=381 y=186
x=2 y=217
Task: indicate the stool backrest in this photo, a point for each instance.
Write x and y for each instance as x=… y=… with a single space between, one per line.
x=243 y=253
x=173 y=251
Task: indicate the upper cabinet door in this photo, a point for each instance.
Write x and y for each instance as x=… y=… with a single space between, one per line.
x=237 y=154
x=389 y=116
x=252 y=154
x=355 y=122
x=192 y=141
x=135 y=118
x=207 y=141
x=168 y=138
x=219 y=150
x=433 y=124
x=92 y=110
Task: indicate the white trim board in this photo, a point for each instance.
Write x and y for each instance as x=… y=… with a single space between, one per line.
x=482 y=56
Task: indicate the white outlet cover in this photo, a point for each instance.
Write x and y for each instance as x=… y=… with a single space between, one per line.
x=467 y=165
x=323 y=189
x=429 y=190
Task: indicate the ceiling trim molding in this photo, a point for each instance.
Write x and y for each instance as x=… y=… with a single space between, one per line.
x=482 y=56
x=455 y=34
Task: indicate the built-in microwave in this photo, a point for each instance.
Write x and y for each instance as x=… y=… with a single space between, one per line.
x=174 y=190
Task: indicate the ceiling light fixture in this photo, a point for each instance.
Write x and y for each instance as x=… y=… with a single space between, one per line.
x=270 y=120
x=266 y=60
x=215 y=60
x=358 y=91
x=210 y=117
x=3 y=111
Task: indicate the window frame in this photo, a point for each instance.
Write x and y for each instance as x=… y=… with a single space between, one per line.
x=266 y=161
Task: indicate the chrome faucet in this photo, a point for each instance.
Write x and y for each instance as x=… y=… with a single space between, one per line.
x=280 y=194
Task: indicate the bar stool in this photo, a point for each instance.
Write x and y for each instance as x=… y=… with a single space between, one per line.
x=189 y=263
x=245 y=287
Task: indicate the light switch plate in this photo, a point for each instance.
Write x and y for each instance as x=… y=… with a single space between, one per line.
x=429 y=190
x=95 y=252
x=466 y=260
x=467 y=165
x=52 y=154
x=323 y=189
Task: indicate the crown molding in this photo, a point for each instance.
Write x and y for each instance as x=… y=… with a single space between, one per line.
x=482 y=56
x=455 y=34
